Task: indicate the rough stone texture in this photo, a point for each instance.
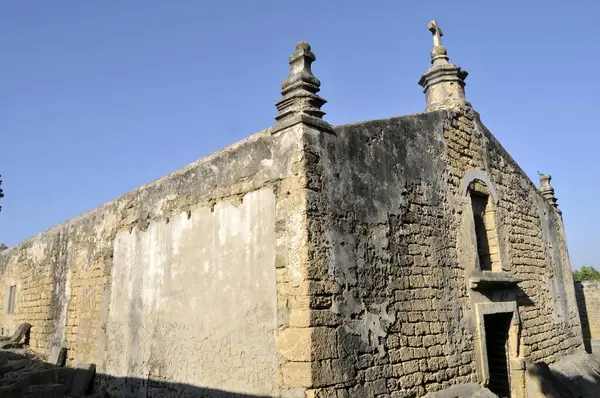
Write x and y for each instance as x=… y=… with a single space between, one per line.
x=307 y=264
x=573 y=376
x=390 y=240
x=464 y=390
x=21 y=333
x=24 y=375
x=57 y=355
x=588 y=301
x=19 y=337
x=90 y=283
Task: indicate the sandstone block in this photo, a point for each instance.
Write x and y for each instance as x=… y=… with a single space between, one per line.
x=296 y=374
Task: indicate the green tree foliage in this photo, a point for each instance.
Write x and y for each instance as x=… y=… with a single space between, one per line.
x=586 y=274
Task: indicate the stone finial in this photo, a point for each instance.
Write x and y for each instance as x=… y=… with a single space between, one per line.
x=443 y=83
x=300 y=102
x=547 y=191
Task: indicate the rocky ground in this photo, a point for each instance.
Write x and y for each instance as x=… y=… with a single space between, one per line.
x=24 y=373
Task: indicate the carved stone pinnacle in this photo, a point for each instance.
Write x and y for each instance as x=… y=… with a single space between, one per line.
x=443 y=83
x=299 y=101
x=547 y=191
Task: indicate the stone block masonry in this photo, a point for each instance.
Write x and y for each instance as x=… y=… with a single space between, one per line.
x=388 y=258
x=588 y=302
x=175 y=281
x=390 y=236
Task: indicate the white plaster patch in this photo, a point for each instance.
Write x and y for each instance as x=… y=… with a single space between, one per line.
x=37 y=250
x=266 y=164
x=189 y=286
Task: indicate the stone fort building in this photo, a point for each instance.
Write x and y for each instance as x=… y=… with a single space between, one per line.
x=386 y=258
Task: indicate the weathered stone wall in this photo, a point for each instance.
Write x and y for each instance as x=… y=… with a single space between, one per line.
x=34 y=268
x=176 y=281
x=532 y=240
x=194 y=298
x=588 y=301
x=306 y=263
x=387 y=219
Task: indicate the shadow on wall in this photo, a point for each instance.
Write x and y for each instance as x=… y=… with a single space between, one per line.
x=523 y=299
x=515 y=293
x=22 y=374
x=583 y=315
x=132 y=387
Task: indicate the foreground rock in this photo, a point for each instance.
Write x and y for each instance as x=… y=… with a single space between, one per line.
x=574 y=376
x=18 y=339
x=463 y=390
x=26 y=374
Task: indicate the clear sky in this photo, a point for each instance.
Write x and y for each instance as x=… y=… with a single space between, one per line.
x=100 y=97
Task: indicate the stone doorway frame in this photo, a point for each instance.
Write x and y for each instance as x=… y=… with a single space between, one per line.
x=515 y=363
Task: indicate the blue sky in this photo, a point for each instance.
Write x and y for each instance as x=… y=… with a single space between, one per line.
x=100 y=97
